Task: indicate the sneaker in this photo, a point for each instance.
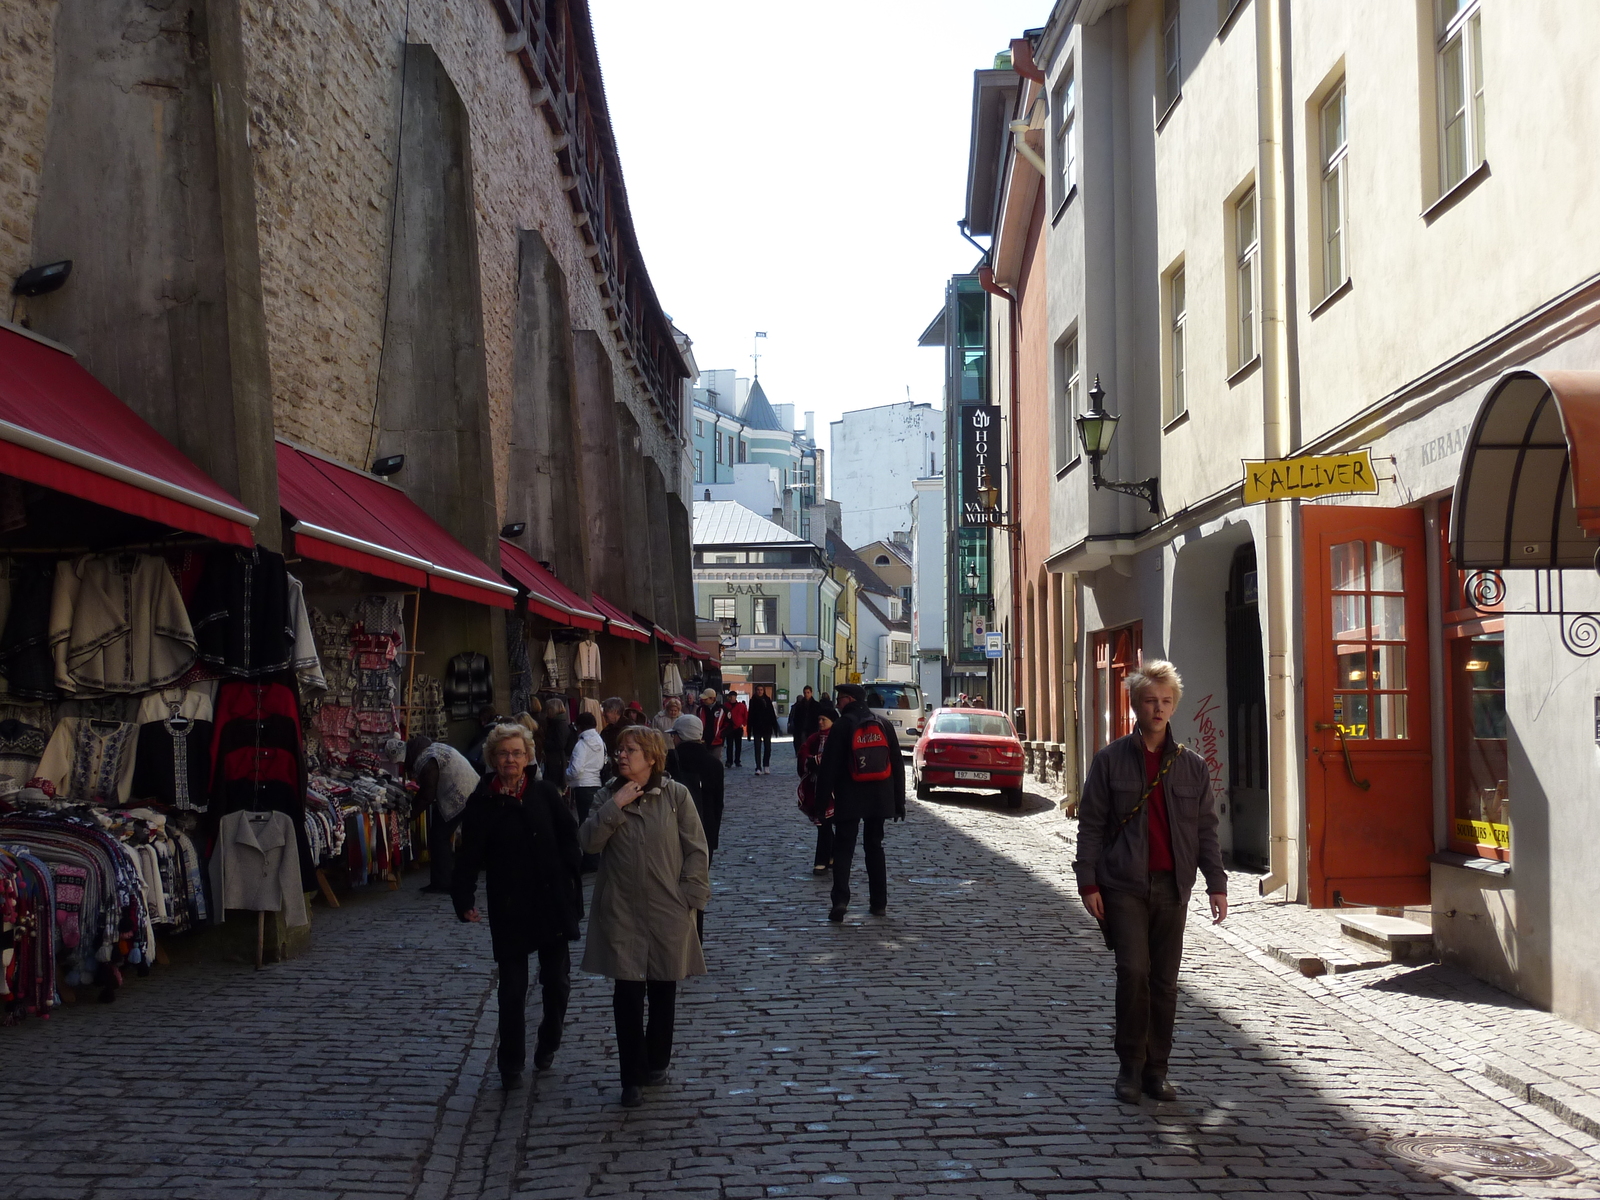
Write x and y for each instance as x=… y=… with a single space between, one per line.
x=836 y=914
x=632 y=1097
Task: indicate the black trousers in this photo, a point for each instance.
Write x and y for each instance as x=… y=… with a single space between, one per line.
x=845 y=830
x=1147 y=936
x=643 y=1048
x=441 y=848
x=761 y=747
x=582 y=802
x=733 y=748
x=824 y=855
x=555 y=979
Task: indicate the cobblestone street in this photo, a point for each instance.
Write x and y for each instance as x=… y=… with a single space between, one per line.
x=959 y=1046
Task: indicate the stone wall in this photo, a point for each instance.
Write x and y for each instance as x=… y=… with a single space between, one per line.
x=27 y=75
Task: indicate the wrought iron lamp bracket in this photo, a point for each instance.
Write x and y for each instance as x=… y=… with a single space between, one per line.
x=1580 y=631
x=1148 y=490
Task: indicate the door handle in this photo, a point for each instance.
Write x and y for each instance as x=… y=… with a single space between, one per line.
x=1350 y=767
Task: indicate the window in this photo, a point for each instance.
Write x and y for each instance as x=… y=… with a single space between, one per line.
x=766 y=614
x=1244 y=227
x=1066 y=141
x=728 y=558
x=979 y=724
x=1169 y=46
x=881 y=561
x=905 y=594
x=1178 y=298
x=894 y=608
x=1116 y=653
x=699 y=429
x=719 y=447
x=1335 y=192
x=1067 y=403
x=744 y=446
x=699 y=466
x=724 y=608
x=1369 y=634
x=900 y=652
x=1459 y=27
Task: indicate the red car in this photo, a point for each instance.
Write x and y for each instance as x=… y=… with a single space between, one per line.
x=969 y=748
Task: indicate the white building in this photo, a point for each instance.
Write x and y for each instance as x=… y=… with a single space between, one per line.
x=876 y=455
x=928 y=549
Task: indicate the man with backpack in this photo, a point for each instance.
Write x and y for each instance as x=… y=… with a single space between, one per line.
x=863 y=779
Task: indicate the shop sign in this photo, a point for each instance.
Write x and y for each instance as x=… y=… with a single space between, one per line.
x=1309 y=477
x=1484 y=833
x=980 y=425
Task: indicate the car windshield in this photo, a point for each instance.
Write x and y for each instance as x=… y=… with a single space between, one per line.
x=984 y=724
x=894 y=696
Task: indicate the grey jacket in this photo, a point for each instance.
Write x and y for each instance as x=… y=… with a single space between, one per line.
x=654 y=873
x=255 y=867
x=1109 y=859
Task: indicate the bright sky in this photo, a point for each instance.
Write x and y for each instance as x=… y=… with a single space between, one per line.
x=799 y=169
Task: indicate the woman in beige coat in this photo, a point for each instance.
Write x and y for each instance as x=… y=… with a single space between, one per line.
x=654 y=876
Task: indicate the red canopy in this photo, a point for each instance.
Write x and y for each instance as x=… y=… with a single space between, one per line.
x=62 y=429
x=353 y=519
x=619 y=622
x=678 y=644
x=547 y=595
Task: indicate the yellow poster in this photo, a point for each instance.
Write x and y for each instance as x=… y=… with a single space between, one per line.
x=1309 y=477
x=1483 y=833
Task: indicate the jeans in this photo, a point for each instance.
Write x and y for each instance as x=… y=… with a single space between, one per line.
x=733 y=748
x=555 y=978
x=642 y=1049
x=582 y=802
x=1147 y=936
x=761 y=747
x=844 y=849
x=824 y=854
x=441 y=848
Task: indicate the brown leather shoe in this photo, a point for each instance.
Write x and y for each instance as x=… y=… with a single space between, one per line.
x=1157 y=1088
x=1127 y=1087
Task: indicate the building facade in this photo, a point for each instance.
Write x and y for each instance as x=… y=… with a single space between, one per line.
x=1278 y=230
x=876 y=454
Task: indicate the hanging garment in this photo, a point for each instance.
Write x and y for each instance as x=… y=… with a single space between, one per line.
x=554 y=676
x=88 y=759
x=306 y=663
x=255 y=867
x=257 y=756
x=671 y=680
x=240 y=612
x=195 y=702
x=25 y=657
x=588 y=660
x=22 y=745
x=173 y=763
x=117 y=624
x=468 y=685
x=521 y=667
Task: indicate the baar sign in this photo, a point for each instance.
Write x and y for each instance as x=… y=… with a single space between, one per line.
x=1309 y=477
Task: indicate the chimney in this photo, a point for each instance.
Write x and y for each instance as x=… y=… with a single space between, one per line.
x=811 y=425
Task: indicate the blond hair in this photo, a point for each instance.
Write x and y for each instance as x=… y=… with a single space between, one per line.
x=1157 y=672
x=650 y=743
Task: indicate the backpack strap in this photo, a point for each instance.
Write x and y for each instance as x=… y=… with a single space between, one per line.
x=1150 y=786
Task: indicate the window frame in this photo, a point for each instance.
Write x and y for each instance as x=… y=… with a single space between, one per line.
x=1171 y=53
x=1069 y=377
x=1066 y=145
x=1177 y=344
x=761 y=607
x=731 y=602
x=1335 y=172
x=699 y=466
x=1246 y=278
x=1464 y=27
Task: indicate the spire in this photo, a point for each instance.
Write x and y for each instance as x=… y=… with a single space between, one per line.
x=758 y=410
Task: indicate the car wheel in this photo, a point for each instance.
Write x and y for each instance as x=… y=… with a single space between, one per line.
x=1013 y=797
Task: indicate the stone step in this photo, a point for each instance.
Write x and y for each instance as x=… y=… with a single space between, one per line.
x=1404 y=940
x=1329 y=961
x=1575 y=1105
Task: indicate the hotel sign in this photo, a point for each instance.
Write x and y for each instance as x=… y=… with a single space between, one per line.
x=1309 y=477
x=980 y=463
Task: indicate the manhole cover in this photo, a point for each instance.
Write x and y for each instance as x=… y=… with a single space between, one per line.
x=1479 y=1156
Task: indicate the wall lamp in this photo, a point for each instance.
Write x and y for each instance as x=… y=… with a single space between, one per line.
x=390 y=465
x=1096 y=428
x=37 y=281
x=513 y=530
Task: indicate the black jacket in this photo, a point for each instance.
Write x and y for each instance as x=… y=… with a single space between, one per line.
x=693 y=765
x=240 y=612
x=852 y=800
x=529 y=850
x=1111 y=855
x=803 y=718
x=763 y=715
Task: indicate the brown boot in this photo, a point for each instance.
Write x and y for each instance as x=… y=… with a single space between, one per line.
x=1157 y=1088
x=1128 y=1086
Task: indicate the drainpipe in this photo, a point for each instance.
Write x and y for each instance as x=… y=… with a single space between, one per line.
x=987 y=283
x=1284 y=866
x=1022 y=63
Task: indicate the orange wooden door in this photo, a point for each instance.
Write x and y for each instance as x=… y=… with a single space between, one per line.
x=1369 y=771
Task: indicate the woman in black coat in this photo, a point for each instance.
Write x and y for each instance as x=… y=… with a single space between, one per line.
x=517 y=829
x=763 y=724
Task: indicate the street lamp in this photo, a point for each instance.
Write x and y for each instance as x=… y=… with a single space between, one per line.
x=971 y=577
x=1096 y=428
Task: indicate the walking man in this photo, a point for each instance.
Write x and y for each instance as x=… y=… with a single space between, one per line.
x=1147 y=823
x=863 y=780
x=803 y=718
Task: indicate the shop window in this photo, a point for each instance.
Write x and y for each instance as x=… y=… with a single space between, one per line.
x=1369 y=634
x=766 y=614
x=1116 y=653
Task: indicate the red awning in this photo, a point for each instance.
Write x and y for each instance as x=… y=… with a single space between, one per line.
x=62 y=429
x=619 y=622
x=547 y=595
x=682 y=645
x=353 y=519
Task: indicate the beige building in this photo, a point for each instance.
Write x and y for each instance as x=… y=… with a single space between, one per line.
x=367 y=229
x=1282 y=228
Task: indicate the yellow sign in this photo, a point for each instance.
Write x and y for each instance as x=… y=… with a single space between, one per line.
x=1308 y=477
x=1482 y=833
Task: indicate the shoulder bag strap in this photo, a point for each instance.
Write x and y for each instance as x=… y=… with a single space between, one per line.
x=1150 y=787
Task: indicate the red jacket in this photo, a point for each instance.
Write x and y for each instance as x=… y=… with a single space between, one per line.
x=741 y=714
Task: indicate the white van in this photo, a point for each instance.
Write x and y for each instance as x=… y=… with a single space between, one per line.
x=900 y=704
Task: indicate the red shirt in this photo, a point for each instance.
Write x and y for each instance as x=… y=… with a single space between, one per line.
x=1156 y=807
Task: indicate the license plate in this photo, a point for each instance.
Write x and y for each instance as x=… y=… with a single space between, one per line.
x=973 y=775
